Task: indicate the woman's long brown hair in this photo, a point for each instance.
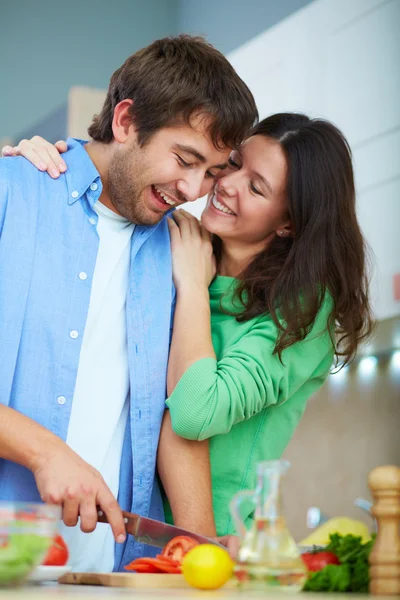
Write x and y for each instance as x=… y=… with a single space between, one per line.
x=327 y=252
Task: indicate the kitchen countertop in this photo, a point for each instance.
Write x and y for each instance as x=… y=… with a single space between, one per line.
x=86 y=592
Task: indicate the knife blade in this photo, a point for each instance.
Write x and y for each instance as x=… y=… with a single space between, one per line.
x=152 y=532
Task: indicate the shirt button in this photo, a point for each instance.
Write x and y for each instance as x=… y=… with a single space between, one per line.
x=93 y=187
x=92 y=221
x=75 y=194
x=74 y=334
x=82 y=276
x=61 y=399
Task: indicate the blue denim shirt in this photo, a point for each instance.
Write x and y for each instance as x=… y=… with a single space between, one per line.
x=47 y=237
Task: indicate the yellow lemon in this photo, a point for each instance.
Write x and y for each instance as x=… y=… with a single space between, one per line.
x=207 y=567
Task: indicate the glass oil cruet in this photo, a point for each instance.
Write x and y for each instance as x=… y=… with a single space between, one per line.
x=268 y=556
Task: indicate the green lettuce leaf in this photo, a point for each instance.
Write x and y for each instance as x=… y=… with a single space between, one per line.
x=352 y=575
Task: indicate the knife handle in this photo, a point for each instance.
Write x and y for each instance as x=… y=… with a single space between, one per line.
x=101 y=515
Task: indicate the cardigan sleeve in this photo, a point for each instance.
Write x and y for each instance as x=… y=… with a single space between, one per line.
x=212 y=396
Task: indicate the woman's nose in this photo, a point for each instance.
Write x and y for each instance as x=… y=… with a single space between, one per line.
x=227 y=184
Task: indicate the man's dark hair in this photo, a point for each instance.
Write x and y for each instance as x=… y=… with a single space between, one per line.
x=173 y=80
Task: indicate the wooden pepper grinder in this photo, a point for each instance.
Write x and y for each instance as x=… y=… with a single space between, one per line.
x=384 y=559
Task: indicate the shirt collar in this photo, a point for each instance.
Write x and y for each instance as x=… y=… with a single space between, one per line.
x=81 y=172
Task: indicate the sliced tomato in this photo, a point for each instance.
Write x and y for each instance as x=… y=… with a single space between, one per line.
x=315 y=561
x=169 y=561
x=166 y=568
x=144 y=568
x=57 y=554
x=138 y=565
x=178 y=547
x=153 y=565
x=22 y=515
x=137 y=561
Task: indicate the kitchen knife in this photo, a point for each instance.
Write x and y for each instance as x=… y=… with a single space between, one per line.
x=153 y=533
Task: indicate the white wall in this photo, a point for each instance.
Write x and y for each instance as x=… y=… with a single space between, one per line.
x=339 y=59
x=227 y=24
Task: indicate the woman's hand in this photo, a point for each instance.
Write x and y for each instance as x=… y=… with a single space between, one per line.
x=193 y=261
x=43 y=155
x=231 y=543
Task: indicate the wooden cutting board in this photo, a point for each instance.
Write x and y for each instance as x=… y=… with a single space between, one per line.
x=133 y=580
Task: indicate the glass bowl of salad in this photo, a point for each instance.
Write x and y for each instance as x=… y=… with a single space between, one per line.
x=26 y=533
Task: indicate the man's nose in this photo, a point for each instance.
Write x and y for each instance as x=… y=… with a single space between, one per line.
x=194 y=186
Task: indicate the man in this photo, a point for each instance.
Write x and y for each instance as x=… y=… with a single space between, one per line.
x=86 y=294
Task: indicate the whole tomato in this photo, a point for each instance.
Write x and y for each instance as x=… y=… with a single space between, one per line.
x=315 y=561
x=57 y=555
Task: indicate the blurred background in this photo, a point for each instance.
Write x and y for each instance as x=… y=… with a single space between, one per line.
x=331 y=58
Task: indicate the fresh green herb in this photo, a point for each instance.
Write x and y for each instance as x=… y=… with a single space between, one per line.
x=332 y=578
x=352 y=575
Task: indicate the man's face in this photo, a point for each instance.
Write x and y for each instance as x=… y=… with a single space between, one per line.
x=178 y=164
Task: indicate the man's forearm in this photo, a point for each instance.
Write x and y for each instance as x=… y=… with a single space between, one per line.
x=22 y=440
x=184 y=469
x=61 y=476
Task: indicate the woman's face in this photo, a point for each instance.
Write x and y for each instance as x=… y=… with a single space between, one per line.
x=248 y=205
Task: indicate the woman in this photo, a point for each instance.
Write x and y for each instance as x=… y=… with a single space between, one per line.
x=271 y=288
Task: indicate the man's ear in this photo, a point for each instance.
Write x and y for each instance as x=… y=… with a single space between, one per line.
x=122 y=124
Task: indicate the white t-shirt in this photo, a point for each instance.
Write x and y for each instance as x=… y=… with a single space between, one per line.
x=101 y=399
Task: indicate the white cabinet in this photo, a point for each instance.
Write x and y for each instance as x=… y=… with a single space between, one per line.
x=340 y=60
